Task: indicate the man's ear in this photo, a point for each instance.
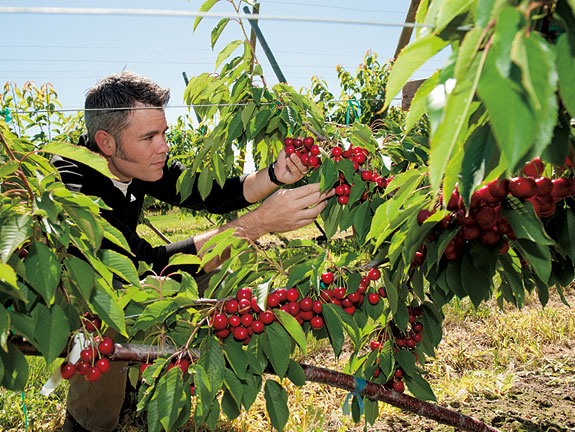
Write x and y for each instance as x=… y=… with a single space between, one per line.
x=105 y=142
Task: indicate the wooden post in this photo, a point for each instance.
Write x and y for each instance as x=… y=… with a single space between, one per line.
x=408 y=92
x=406 y=31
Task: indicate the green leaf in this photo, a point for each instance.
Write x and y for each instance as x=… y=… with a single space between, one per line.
x=334 y=328
x=205 y=183
x=451 y=9
x=385 y=359
x=295 y=373
x=406 y=360
x=512 y=120
x=235 y=127
x=9 y=168
x=536 y=255
x=371 y=410
x=4 y=331
x=15 y=369
x=106 y=306
x=13 y=232
x=293 y=327
x=410 y=59
x=8 y=276
x=419 y=387
x=476 y=276
x=276 y=404
x=251 y=390
x=525 y=223
x=225 y=53
x=52 y=331
x=170 y=397
x=212 y=359
x=80 y=154
x=230 y=406
x=83 y=275
x=205 y=7
x=236 y=356
x=419 y=102
x=217 y=30
x=566 y=70
x=566 y=232
x=155 y=313
x=277 y=346
x=43 y=270
x=121 y=265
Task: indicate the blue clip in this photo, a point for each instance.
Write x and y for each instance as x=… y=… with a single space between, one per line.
x=352 y=104
x=7 y=115
x=359 y=387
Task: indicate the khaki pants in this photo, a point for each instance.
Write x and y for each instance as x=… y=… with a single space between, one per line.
x=96 y=405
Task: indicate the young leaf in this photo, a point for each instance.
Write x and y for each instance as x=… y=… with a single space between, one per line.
x=225 y=53
x=205 y=7
x=80 y=154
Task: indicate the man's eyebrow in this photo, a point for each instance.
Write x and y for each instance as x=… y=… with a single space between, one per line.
x=152 y=133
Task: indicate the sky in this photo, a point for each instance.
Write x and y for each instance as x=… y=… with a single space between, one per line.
x=73 y=52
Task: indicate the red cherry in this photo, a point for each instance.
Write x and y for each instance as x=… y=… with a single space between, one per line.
x=339 y=293
x=144 y=366
x=417 y=327
x=240 y=333
x=88 y=354
x=82 y=367
x=290 y=149
x=544 y=186
x=316 y=323
x=373 y=298
x=273 y=300
x=315 y=150
x=267 y=317
x=327 y=278
x=498 y=188
x=93 y=374
x=244 y=306
x=258 y=326
x=463 y=219
x=247 y=320
x=382 y=293
x=374 y=345
x=336 y=151
x=282 y=294
x=398 y=386
x=103 y=364
x=304 y=158
x=374 y=274
x=533 y=168
x=222 y=334
x=244 y=293
x=293 y=308
x=360 y=158
x=183 y=364
x=106 y=347
x=423 y=215
x=343 y=199
x=93 y=323
x=306 y=304
x=254 y=305
x=67 y=370
x=292 y=294
x=561 y=188
x=366 y=175
x=234 y=321
x=489 y=238
x=317 y=307
x=308 y=141
x=485 y=216
x=297 y=143
x=398 y=373
x=486 y=196
x=231 y=306
x=288 y=141
x=522 y=187
x=471 y=233
x=339 y=190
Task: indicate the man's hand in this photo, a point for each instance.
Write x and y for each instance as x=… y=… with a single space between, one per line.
x=289 y=168
x=287 y=210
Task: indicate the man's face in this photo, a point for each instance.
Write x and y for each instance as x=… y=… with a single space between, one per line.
x=143 y=148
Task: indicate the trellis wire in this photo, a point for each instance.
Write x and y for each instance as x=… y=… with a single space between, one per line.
x=200 y=14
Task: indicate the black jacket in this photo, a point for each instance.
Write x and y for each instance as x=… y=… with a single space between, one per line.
x=125 y=210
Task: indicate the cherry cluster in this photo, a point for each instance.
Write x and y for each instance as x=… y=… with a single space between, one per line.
x=305 y=149
x=93 y=361
x=484 y=220
x=407 y=340
x=241 y=316
x=359 y=157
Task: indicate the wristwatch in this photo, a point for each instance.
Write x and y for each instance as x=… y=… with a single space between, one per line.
x=272 y=174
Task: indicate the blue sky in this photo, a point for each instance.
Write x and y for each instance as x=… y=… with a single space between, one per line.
x=74 y=51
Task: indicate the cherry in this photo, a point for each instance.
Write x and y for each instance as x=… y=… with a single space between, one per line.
x=373 y=298
x=316 y=322
x=244 y=293
x=273 y=300
x=103 y=364
x=544 y=186
x=244 y=306
x=288 y=141
x=375 y=345
x=240 y=333
x=292 y=294
x=423 y=215
x=398 y=386
x=312 y=160
x=366 y=175
x=398 y=373
x=247 y=320
x=317 y=307
x=267 y=317
x=93 y=374
x=297 y=143
x=234 y=321
x=306 y=304
x=67 y=370
x=314 y=149
x=258 y=326
x=308 y=141
x=88 y=354
x=254 y=305
x=336 y=151
x=342 y=199
x=326 y=295
x=82 y=367
x=222 y=334
x=293 y=308
x=339 y=293
x=534 y=168
x=453 y=203
x=144 y=366
x=485 y=216
x=498 y=188
x=470 y=233
x=417 y=327
x=92 y=322
x=106 y=347
x=489 y=238
x=183 y=364
x=306 y=315
x=290 y=149
x=339 y=190
x=522 y=187
x=282 y=294
x=561 y=188
x=231 y=306
x=327 y=278
x=374 y=274
x=381 y=292
x=486 y=195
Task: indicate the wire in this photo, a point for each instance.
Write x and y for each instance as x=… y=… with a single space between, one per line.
x=181 y=106
x=181 y=13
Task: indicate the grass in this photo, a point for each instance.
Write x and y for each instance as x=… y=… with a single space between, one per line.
x=502 y=366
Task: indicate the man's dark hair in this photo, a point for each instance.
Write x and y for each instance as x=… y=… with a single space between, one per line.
x=107 y=102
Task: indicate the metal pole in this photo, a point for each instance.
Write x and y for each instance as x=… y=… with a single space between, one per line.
x=255 y=28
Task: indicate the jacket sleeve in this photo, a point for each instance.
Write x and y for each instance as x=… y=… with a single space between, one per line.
x=221 y=199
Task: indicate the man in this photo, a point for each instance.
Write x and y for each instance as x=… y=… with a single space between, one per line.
x=126 y=123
